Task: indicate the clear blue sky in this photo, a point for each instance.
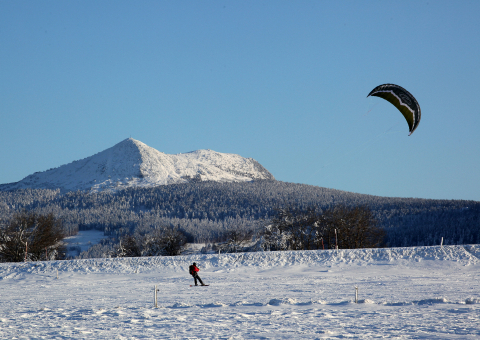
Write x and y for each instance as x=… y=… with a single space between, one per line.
x=283 y=82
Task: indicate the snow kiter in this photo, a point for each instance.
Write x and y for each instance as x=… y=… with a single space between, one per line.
x=402 y=100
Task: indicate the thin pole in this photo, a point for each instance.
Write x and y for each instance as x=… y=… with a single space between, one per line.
x=155 y=297
x=356 y=294
x=336 y=239
x=26 y=251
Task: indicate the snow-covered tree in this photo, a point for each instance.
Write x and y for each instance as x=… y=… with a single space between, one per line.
x=32 y=237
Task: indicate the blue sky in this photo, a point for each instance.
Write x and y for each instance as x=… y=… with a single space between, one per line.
x=283 y=82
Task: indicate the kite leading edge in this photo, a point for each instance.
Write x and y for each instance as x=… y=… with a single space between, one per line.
x=402 y=100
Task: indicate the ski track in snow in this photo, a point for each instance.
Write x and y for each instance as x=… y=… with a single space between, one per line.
x=404 y=293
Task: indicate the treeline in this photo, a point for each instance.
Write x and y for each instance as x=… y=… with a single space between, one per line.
x=339 y=227
x=206 y=211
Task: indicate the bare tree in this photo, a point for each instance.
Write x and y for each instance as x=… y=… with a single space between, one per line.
x=163 y=241
x=32 y=237
x=351 y=227
x=172 y=241
x=128 y=247
x=341 y=226
x=293 y=229
x=236 y=240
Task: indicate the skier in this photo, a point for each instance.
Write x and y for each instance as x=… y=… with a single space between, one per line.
x=194 y=272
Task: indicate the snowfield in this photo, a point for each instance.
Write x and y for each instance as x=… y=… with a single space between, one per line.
x=403 y=293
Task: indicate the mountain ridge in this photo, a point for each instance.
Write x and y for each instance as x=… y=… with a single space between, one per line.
x=132 y=163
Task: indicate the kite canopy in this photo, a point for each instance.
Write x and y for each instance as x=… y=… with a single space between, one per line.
x=402 y=100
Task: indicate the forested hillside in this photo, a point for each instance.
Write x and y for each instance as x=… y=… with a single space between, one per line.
x=205 y=210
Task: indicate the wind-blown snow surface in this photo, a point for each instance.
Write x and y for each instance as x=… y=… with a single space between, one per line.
x=404 y=293
x=132 y=163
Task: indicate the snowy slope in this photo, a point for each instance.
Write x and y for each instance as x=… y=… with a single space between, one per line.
x=403 y=293
x=131 y=163
x=466 y=255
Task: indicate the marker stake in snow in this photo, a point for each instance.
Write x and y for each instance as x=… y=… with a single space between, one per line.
x=155 y=296
x=356 y=294
x=441 y=242
x=336 y=240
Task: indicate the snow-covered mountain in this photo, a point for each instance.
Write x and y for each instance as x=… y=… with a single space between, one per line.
x=132 y=163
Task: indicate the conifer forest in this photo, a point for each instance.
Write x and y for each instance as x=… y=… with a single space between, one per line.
x=207 y=212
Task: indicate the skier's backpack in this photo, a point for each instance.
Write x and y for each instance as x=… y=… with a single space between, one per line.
x=192 y=270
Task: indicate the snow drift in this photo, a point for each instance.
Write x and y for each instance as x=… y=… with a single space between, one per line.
x=464 y=255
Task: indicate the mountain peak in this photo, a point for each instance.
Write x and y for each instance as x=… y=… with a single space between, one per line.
x=132 y=163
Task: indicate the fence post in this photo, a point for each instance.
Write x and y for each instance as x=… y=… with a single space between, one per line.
x=26 y=251
x=336 y=240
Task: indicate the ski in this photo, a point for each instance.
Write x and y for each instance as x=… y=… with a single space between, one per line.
x=199 y=285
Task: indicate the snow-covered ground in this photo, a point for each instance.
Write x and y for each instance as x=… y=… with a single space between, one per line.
x=403 y=293
x=82 y=241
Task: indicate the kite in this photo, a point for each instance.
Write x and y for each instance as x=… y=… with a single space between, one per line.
x=402 y=100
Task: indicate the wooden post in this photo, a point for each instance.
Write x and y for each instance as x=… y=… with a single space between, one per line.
x=336 y=239
x=356 y=294
x=441 y=242
x=26 y=251
x=155 y=297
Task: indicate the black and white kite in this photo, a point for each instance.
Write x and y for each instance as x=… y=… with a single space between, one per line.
x=402 y=100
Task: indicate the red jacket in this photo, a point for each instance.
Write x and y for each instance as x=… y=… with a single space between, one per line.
x=194 y=270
